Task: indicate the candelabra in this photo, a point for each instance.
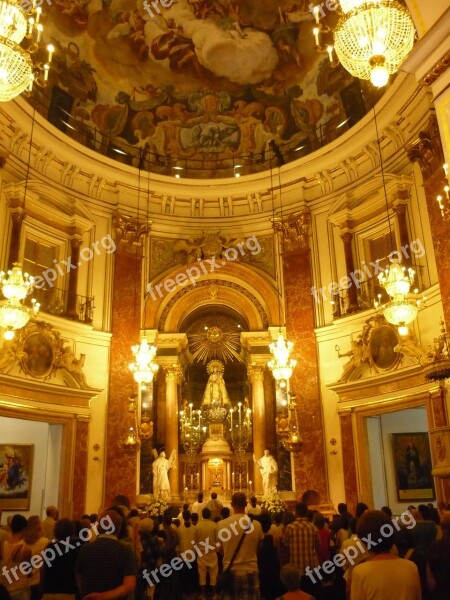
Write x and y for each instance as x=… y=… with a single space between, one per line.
x=287 y=425
x=240 y=427
x=192 y=432
x=436 y=361
x=445 y=212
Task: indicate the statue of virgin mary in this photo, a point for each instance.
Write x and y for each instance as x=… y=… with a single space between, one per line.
x=215 y=391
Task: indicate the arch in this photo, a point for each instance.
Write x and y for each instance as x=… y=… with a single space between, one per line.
x=235 y=286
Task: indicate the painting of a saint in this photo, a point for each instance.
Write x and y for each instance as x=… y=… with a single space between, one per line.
x=412 y=462
x=15 y=476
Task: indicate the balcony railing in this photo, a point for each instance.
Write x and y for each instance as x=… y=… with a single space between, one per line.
x=54 y=301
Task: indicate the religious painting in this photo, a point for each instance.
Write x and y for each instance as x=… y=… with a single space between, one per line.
x=412 y=465
x=39 y=355
x=16 y=464
x=382 y=345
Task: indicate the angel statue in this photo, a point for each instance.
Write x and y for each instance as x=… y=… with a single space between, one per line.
x=160 y=468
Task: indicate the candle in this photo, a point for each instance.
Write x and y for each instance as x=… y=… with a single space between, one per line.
x=231 y=419
x=46 y=69
x=446 y=169
x=39 y=32
x=190 y=412
x=50 y=50
x=184 y=480
x=316 y=35
x=232 y=480
x=250 y=484
x=330 y=53
x=240 y=416
x=316 y=13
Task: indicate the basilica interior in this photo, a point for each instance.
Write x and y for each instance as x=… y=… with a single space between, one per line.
x=214 y=211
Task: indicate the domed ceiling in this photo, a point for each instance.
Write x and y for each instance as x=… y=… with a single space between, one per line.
x=200 y=89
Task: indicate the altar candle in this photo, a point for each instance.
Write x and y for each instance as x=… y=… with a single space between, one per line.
x=316 y=10
x=316 y=35
x=232 y=480
x=231 y=419
x=184 y=481
x=330 y=53
x=240 y=416
x=190 y=411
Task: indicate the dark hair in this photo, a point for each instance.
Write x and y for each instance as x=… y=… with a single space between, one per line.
x=214 y=495
x=266 y=521
x=206 y=513
x=288 y=517
x=253 y=501
x=4 y=594
x=353 y=524
x=200 y=497
x=133 y=513
x=225 y=512
x=345 y=522
x=361 y=507
x=186 y=514
x=387 y=510
x=319 y=520
x=18 y=523
x=122 y=531
x=122 y=500
x=93 y=518
x=404 y=540
x=278 y=518
x=301 y=509
x=194 y=518
x=342 y=508
x=238 y=500
x=370 y=525
x=424 y=511
x=64 y=528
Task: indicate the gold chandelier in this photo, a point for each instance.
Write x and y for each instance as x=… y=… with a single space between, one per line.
x=281 y=364
x=132 y=442
x=16 y=286
x=403 y=308
x=287 y=425
x=371 y=38
x=144 y=367
x=436 y=360
x=17 y=68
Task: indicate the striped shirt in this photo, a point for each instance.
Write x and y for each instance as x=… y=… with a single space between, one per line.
x=302 y=539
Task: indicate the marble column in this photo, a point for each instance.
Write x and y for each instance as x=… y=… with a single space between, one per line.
x=80 y=469
x=347 y=238
x=349 y=460
x=310 y=465
x=256 y=374
x=120 y=467
x=173 y=374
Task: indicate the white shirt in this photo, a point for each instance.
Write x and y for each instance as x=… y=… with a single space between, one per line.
x=197 y=507
x=206 y=531
x=386 y=579
x=230 y=532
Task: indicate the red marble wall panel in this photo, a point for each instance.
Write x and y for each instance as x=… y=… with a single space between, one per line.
x=310 y=466
x=349 y=462
x=120 y=467
x=80 y=469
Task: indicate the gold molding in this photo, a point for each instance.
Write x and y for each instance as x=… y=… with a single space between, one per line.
x=439 y=68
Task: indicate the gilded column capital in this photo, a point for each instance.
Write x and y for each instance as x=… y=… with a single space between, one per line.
x=256 y=372
x=295 y=230
x=129 y=232
x=344 y=412
x=173 y=372
x=347 y=237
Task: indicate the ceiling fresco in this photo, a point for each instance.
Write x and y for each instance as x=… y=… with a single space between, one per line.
x=204 y=86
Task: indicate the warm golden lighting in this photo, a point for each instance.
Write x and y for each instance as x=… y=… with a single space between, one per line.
x=372 y=38
x=143 y=368
x=281 y=365
x=17 y=70
x=16 y=286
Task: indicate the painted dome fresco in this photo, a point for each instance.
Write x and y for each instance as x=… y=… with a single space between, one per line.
x=199 y=88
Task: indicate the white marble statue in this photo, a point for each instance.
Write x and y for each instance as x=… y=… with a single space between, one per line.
x=160 y=469
x=269 y=472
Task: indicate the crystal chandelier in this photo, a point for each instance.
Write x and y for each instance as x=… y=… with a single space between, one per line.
x=371 y=38
x=143 y=368
x=281 y=364
x=19 y=25
x=16 y=286
x=401 y=309
x=436 y=360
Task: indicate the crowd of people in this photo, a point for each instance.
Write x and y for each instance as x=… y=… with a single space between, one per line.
x=244 y=553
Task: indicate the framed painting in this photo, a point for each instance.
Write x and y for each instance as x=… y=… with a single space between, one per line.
x=16 y=467
x=412 y=465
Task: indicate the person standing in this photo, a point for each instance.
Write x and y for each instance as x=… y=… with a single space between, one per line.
x=15 y=552
x=198 y=506
x=215 y=506
x=48 y=524
x=239 y=529
x=33 y=537
x=206 y=531
x=106 y=568
x=302 y=539
x=438 y=571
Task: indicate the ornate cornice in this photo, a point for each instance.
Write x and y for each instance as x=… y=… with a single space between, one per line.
x=129 y=233
x=295 y=230
x=434 y=74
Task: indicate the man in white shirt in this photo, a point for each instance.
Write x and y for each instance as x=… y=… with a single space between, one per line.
x=244 y=570
x=206 y=540
x=198 y=506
